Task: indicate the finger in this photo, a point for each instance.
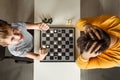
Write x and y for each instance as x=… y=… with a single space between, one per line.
x=42 y=25
x=88 y=30
x=45 y=26
x=86 y=27
x=92 y=47
x=92 y=35
x=95 y=31
x=44 y=51
x=40 y=51
x=88 y=45
x=96 y=50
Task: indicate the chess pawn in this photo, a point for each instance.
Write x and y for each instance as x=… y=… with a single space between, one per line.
x=69 y=22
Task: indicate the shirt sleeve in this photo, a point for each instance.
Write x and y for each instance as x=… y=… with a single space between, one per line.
x=20 y=51
x=19 y=25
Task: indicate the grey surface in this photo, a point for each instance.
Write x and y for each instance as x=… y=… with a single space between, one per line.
x=12 y=71
x=97 y=7
x=101 y=74
x=13 y=11
x=93 y=8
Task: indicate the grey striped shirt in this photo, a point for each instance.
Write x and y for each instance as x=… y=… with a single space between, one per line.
x=25 y=45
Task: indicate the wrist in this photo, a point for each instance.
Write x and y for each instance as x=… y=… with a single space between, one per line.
x=38 y=57
x=82 y=59
x=85 y=57
x=38 y=26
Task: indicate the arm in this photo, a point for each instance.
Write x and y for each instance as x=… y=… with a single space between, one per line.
x=81 y=22
x=101 y=61
x=38 y=26
x=90 y=59
x=100 y=21
x=40 y=56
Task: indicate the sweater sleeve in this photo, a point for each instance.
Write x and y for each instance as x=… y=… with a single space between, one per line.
x=103 y=22
x=102 y=61
x=81 y=22
x=107 y=59
x=109 y=23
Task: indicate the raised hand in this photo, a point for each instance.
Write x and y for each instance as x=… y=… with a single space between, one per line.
x=91 y=50
x=92 y=31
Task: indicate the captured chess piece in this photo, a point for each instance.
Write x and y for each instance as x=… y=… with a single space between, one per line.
x=47 y=20
x=69 y=22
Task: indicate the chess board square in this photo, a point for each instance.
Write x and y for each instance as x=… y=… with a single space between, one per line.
x=51 y=35
x=63 y=38
x=70 y=31
x=43 y=35
x=63 y=31
x=59 y=57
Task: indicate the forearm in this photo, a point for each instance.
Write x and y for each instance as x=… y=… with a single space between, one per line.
x=32 y=55
x=38 y=26
x=32 y=26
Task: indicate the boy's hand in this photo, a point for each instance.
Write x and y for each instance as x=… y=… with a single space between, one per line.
x=42 y=53
x=43 y=26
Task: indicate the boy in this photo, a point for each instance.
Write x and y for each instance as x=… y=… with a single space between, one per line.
x=19 y=41
x=100 y=42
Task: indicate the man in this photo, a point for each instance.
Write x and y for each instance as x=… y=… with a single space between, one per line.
x=99 y=44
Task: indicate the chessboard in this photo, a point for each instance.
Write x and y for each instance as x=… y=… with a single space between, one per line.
x=59 y=42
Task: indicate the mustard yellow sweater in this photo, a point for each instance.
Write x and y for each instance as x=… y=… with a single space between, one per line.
x=110 y=57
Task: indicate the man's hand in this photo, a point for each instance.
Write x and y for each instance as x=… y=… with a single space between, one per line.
x=42 y=53
x=92 y=31
x=43 y=26
x=90 y=52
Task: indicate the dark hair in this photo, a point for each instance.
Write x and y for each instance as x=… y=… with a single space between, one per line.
x=84 y=39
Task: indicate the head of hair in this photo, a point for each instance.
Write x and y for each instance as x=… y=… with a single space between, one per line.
x=84 y=39
x=4 y=31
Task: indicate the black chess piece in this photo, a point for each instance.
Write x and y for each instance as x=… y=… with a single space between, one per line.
x=47 y=20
